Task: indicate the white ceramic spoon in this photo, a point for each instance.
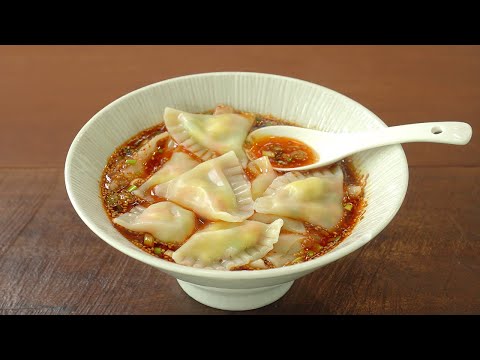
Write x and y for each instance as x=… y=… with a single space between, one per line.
x=332 y=147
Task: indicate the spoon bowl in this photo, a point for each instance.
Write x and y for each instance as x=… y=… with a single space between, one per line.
x=332 y=147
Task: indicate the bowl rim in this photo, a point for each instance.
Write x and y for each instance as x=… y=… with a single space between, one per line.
x=161 y=264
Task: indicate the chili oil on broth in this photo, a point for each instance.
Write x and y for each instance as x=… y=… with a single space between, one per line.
x=283 y=152
x=117 y=198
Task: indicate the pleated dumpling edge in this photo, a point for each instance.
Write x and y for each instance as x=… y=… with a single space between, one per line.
x=224 y=246
x=207 y=136
x=217 y=189
x=166 y=221
x=315 y=198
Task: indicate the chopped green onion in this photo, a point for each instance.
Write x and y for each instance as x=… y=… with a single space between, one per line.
x=131 y=161
x=268 y=153
x=310 y=253
x=148 y=240
x=318 y=247
x=336 y=239
x=348 y=206
x=131 y=188
x=298 y=260
x=158 y=251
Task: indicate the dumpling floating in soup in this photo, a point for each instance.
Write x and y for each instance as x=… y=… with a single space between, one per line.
x=315 y=198
x=261 y=173
x=227 y=245
x=136 y=162
x=285 y=250
x=177 y=165
x=184 y=191
x=209 y=135
x=166 y=221
x=291 y=225
x=216 y=190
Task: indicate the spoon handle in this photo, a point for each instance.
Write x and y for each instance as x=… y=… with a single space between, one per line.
x=447 y=132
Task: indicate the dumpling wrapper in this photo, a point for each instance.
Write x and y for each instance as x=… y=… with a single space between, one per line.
x=258 y=264
x=263 y=170
x=216 y=190
x=166 y=221
x=292 y=225
x=143 y=154
x=315 y=198
x=207 y=136
x=178 y=164
x=223 y=246
x=285 y=249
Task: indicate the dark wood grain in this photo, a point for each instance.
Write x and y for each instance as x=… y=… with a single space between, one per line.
x=425 y=262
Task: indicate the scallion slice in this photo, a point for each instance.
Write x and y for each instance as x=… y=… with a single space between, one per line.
x=158 y=251
x=131 y=188
x=297 y=260
x=131 y=161
x=348 y=206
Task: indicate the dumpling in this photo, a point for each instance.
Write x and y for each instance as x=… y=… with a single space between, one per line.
x=166 y=221
x=288 y=224
x=178 y=164
x=258 y=264
x=264 y=175
x=223 y=246
x=134 y=165
x=143 y=154
x=207 y=136
x=314 y=198
x=285 y=249
x=216 y=190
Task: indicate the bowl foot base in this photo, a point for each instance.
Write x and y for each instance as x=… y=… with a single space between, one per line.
x=235 y=299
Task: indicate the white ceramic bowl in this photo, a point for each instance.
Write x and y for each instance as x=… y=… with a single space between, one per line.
x=302 y=102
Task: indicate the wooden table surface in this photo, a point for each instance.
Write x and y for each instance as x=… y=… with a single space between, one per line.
x=427 y=261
